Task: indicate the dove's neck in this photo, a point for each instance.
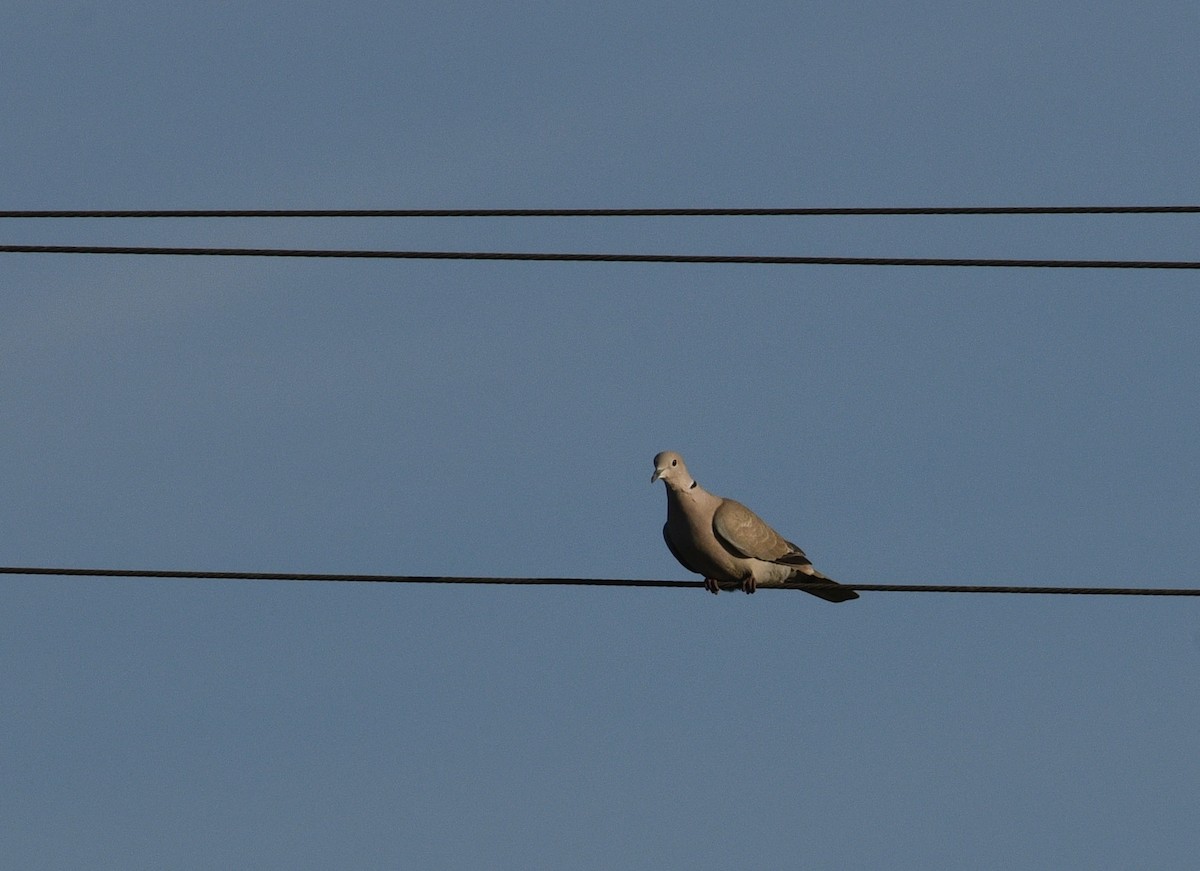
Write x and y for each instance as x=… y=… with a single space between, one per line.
x=690 y=492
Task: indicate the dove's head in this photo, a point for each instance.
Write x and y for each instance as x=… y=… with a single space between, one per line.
x=669 y=467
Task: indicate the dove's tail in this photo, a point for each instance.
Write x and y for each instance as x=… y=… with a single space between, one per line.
x=831 y=594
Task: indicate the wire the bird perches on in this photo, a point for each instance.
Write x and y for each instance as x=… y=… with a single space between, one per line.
x=582 y=582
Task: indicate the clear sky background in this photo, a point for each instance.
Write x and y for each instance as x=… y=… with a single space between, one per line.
x=902 y=425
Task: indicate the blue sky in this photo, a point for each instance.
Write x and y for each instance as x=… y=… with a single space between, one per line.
x=902 y=425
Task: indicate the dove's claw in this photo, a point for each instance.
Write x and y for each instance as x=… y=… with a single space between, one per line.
x=749 y=585
x=711 y=585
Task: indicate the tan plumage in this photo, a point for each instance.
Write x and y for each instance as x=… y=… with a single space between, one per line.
x=726 y=542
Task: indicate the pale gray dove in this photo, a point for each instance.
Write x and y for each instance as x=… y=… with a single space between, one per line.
x=728 y=543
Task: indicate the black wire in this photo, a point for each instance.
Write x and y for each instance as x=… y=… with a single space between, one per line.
x=595 y=213
x=600 y=258
x=587 y=582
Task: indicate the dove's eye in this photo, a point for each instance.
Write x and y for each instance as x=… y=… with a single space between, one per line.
x=674 y=462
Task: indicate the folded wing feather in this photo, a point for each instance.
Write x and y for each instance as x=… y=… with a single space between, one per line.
x=746 y=534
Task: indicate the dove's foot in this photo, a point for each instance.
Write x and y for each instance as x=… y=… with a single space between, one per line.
x=711 y=585
x=749 y=585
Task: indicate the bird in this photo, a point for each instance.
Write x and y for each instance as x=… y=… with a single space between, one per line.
x=727 y=543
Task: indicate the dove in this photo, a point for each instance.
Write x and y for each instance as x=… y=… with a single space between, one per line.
x=726 y=542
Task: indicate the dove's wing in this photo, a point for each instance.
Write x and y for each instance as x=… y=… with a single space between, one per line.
x=747 y=535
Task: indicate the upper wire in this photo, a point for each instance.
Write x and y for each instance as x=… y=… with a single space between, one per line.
x=599 y=213
x=599 y=258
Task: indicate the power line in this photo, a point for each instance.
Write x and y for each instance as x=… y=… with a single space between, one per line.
x=598 y=213
x=600 y=258
x=585 y=582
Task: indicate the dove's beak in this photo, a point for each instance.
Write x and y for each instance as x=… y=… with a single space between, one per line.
x=658 y=473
